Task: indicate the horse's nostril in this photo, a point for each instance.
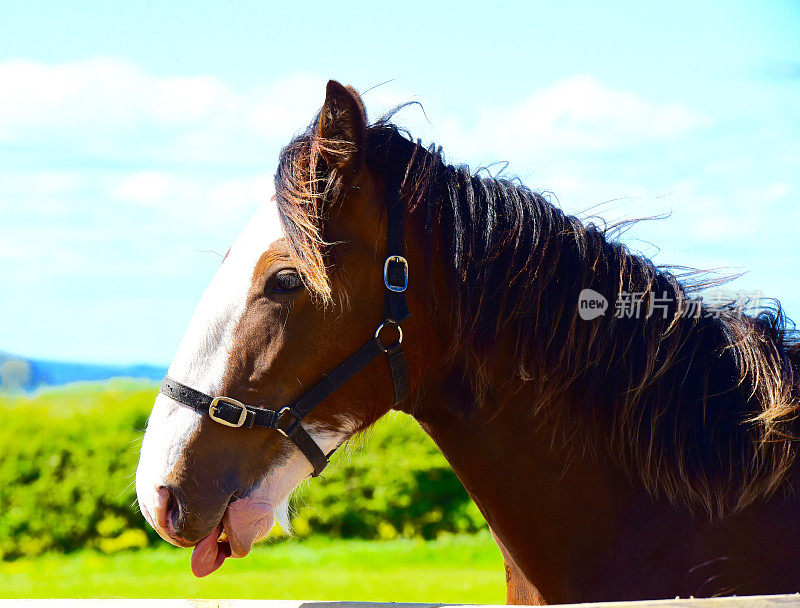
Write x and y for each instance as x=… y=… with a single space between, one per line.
x=173 y=519
x=166 y=512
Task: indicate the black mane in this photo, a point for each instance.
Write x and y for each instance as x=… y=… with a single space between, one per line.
x=702 y=408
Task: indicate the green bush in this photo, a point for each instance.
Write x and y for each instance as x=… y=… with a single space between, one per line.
x=69 y=457
x=391 y=482
x=67 y=469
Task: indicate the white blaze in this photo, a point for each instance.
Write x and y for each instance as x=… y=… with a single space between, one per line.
x=203 y=354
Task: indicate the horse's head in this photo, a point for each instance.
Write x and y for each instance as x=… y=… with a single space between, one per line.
x=278 y=316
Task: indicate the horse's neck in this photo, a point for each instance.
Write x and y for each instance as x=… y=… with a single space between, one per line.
x=546 y=509
x=581 y=530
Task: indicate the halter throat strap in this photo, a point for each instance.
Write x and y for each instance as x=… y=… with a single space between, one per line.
x=287 y=421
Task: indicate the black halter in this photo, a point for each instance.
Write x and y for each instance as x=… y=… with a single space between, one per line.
x=286 y=421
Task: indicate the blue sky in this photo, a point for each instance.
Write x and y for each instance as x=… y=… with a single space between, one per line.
x=137 y=138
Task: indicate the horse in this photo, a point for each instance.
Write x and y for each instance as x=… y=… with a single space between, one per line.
x=636 y=453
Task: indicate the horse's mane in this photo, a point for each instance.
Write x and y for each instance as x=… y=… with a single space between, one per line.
x=702 y=408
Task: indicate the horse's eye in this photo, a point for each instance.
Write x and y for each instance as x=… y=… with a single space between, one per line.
x=287 y=280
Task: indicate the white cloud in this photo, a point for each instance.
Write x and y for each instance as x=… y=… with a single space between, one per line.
x=144 y=187
x=193 y=196
x=100 y=93
x=42 y=183
x=579 y=113
x=9 y=251
x=777 y=190
x=108 y=106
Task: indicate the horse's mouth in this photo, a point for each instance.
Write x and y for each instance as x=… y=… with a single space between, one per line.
x=233 y=537
x=212 y=551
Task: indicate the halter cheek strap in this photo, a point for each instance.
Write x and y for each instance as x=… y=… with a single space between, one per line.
x=287 y=421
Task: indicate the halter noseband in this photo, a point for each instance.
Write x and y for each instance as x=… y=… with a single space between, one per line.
x=230 y=412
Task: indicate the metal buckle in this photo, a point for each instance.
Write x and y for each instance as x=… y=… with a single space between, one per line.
x=213 y=407
x=399 y=338
x=397 y=259
x=292 y=427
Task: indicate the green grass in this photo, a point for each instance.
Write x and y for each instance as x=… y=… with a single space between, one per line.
x=457 y=569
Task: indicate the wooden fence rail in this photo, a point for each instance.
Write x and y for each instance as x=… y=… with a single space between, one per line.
x=755 y=601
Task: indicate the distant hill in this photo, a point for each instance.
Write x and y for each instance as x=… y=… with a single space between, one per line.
x=19 y=373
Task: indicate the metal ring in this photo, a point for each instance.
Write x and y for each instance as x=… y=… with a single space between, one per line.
x=399 y=338
x=286 y=432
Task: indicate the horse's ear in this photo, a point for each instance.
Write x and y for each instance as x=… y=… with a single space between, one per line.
x=342 y=129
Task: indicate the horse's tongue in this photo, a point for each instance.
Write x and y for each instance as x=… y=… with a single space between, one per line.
x=208 y=554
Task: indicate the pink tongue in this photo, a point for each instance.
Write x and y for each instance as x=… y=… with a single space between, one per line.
x=208 y=554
